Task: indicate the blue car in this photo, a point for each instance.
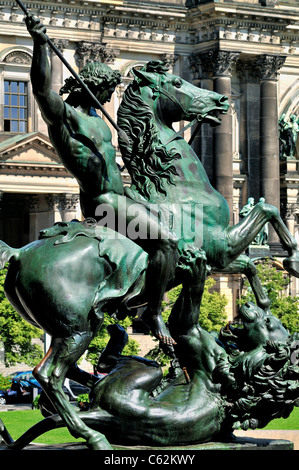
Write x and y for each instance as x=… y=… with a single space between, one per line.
x=24 y=383
x=21 y=390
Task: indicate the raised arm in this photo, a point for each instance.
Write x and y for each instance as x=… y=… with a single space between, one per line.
x=50 y=103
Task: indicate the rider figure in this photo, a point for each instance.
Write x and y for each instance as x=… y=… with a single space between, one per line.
x=83 y=142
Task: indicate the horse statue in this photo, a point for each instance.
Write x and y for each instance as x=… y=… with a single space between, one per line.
x=63 y=283
x=166 y=172
x=220 y=392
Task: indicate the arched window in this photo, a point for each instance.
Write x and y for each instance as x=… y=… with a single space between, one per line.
x=14 y=85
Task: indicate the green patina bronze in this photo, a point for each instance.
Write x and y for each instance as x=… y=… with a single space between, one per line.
x=77 y=271
x=134 y=405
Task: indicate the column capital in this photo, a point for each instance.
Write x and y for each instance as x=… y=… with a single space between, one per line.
x=268 y=66
x=247 y=70
x=224 y=61
x=91 y=52
x=63 y=201
x=202 y=65
x=61 y=45
x=213 y=63
x=169 y=59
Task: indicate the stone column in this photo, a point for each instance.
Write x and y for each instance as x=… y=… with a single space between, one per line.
x=250 y=123
x=223 y=159
x=56 y=64
x=202 y=70
x=268 y=67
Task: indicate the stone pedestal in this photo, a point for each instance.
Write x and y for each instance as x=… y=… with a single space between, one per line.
x=144 y=452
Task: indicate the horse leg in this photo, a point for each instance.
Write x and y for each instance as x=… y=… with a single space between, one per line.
x=241 y=235
x=51 y=372
x=244 y=265
x=144 y=228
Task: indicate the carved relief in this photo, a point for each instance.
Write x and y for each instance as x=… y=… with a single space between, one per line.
x=90 y=52
x=18 y=57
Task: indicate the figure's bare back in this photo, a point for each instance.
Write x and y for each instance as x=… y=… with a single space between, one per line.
x=84 y=146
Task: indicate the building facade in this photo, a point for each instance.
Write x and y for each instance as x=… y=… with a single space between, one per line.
x=246 y=50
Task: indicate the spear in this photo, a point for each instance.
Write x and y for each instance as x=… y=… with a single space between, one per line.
x=97 y=104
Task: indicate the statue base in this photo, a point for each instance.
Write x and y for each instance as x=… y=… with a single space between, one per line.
x=259 y=251
x=238 y=443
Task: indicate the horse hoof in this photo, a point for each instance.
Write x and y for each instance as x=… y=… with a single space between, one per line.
x=291 y=265
x=98 y=442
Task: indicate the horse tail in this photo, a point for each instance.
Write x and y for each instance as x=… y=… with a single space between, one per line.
x=7 y=253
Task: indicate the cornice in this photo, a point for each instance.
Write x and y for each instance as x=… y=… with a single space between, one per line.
x=141 y=26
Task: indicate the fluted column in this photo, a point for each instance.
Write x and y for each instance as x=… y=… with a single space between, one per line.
x=268 y=67
x=56 y=64
x=250 y=123
x=202 y=70
x=223 y=159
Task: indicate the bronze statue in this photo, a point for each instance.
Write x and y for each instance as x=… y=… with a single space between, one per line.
x=134 y=405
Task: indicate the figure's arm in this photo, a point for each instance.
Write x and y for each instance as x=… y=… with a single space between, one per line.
x=185 y=313
x=50 y=103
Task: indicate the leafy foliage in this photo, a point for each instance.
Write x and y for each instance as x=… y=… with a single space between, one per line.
x=276 y=283
x=5 y=383
x=17 y=334
x=212 y=310
x=99 y=343
x=212 y=314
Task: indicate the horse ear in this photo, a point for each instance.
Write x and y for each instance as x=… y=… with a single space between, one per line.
x=144 y=77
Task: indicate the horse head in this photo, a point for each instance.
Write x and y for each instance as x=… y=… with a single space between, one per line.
x=176 y=99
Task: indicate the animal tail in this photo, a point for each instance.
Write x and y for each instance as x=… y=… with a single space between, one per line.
x=6 y=253
x=35 y=431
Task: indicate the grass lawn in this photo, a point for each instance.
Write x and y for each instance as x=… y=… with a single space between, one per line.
x=17 y=422
x=291 y=423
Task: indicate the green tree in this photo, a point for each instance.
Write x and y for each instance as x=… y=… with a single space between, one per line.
x=17 y=334
x=99 y=343
x=212 y=310
x=276 y=283
x=212 y=314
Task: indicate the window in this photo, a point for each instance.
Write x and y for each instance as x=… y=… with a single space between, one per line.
x=15 y=106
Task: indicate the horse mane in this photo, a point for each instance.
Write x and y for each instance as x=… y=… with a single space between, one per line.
x=146 y=158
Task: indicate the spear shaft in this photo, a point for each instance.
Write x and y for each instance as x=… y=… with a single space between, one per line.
x=97 y=104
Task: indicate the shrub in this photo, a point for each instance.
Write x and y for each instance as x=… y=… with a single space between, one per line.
x=5 y=383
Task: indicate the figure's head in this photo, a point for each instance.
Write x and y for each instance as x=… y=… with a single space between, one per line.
x=258 y=327
x=99 y=78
